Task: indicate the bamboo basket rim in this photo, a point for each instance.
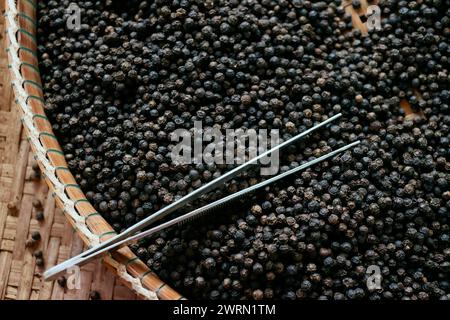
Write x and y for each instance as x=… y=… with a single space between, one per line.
x=21 y=29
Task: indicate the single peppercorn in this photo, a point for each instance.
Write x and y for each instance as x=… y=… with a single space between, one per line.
x=38 y=254
x=94 y=295
x=35 y=235
x=62 y=281
x=36 y=170
x=356 y=4
x=30 y=243
x=40 y=262
x=37 y=203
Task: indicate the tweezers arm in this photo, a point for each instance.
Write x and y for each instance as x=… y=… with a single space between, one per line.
x=214 y=184
x=52 y=273
x=81 y=260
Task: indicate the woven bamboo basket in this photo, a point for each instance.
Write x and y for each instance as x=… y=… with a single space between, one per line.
x=21 y=28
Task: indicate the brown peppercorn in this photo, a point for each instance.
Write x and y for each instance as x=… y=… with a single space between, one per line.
x=246 y=99
x=333 y=219
x=37 y=203
x=256 y=210
x=258 y=294
x=30 y=243
x=290 y=127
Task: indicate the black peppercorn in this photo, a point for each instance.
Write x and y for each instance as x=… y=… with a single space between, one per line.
x=40 y=216
x=270 y=65
x=40 y=262
x=30 y=243
x=36 y=236
x=36 y=170
x=94 y=295
x=38 y=254
x=356 y=4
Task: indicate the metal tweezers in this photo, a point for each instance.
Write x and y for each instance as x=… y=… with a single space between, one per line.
x=135 y=232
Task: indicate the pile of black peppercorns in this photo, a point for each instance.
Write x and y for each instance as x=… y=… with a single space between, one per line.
x=137 y=70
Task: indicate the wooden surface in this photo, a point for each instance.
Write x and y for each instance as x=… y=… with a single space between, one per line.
x=20 y=278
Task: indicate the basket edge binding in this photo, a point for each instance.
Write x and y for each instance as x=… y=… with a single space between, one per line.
x=90 y=225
